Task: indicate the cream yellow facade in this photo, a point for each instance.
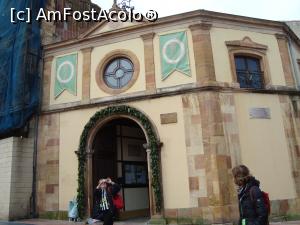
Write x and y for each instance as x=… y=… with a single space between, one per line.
x=204 y=128
x=257 y=140
x=174 y=161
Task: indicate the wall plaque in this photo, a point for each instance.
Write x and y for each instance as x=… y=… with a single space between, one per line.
x=260 y=113
x=168 y=118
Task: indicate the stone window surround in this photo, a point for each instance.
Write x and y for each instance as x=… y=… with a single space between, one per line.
x=103 y=63
x=247 y=47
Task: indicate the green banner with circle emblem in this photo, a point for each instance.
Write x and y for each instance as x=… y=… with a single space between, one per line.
x=66 y=75
x=174 y=54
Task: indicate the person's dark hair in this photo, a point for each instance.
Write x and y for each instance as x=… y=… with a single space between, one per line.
x=241 y=174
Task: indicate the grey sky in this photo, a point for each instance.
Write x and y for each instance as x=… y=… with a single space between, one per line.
x=265 y=9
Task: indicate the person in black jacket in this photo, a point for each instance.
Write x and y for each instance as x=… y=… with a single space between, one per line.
x=253 y=210
x=104 y=208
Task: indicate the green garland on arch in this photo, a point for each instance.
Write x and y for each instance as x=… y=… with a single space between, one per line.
x=152 y=143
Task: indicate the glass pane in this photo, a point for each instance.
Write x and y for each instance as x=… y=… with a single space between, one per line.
x=253 y=64
x=126 y=64
x=125 y=79
x=242 y=79
x=116 y=75
x=111 y=67
x=111 y=82
x=257 y=80
x=240 y=63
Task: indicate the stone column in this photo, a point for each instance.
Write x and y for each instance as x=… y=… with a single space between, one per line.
x=89 y=182
x=290 y=112
x=285 y=59
x=156 y=217
x=47 y=80
x=205 y=71
x=151 y=202
x=47 y=177
x=151 y=194
x=86 y=74
x=216 y=158
x=149 y=61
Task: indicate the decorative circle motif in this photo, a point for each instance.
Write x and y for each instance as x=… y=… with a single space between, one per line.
x=179 y=57
x=68 y=79
x=118 y=72
x=110 y=64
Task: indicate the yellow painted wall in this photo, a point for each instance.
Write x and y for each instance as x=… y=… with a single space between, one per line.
x=174 y=161
x=136 y=46
x=176 y=78
x=71 y=127
x=173 y=152
x=66 y=97
x=264 y=146
x=221 y=56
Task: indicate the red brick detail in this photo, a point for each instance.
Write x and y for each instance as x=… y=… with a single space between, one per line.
x=295 y=174
x=52 y=142
x=171 y=213
x=50 y=188
x=194 y=183
x=197 y=212
x=196 y=119
x=52 y=162
x=203 y=201
x=227 y=117
x=283 y=206
x=229 y=164
x=185 y=102
x=297 y=150
x=199 y=162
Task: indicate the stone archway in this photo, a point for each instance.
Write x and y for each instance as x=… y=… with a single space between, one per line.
x=85 y=152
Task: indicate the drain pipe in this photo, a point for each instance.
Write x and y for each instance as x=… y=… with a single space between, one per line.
x=36 y=134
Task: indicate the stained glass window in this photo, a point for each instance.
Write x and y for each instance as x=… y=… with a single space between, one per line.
x=118 y=72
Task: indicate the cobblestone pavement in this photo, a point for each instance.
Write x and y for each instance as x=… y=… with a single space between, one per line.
x=132 y=222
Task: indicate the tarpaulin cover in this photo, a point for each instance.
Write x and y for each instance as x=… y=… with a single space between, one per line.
x=20 y=50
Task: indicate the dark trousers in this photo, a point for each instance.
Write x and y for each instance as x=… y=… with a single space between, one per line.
x=108 y=218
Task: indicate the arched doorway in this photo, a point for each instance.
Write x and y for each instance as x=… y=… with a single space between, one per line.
x=86 y=152
x=118 y=153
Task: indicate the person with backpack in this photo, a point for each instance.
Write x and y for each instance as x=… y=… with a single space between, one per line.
x=104 y=208
x=254 y=204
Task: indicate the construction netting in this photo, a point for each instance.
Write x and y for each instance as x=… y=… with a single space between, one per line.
x=20 y=54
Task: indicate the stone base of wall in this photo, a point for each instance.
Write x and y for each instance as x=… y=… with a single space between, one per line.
x=54 y=215
x=203 y=215
x=287 y=207
x=48 y=164
x=16 y=174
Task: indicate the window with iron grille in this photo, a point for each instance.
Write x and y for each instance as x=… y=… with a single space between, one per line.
x=249 y=73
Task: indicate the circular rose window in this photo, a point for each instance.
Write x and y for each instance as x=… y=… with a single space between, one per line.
x=118 y=72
